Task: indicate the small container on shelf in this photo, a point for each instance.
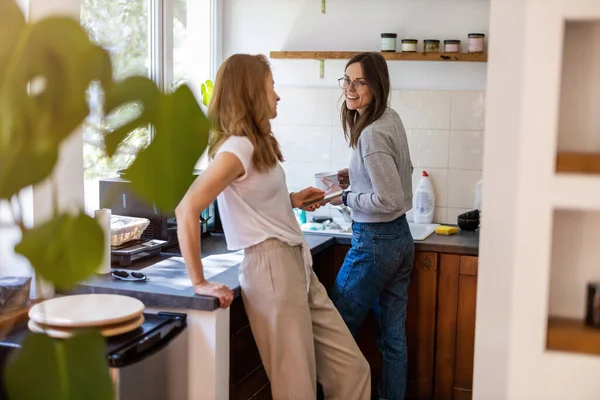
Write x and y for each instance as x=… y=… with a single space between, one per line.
x=592 y=314
x=451 y=46
x=431 y=46
x=409 y=45
x=476 y=42
x=388 y=41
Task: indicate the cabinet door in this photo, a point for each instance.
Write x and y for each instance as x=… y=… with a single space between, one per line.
x=420 y=326
x=445 y=355
x=465 y=328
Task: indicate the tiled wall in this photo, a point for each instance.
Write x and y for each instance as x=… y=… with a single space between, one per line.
x=444 y=128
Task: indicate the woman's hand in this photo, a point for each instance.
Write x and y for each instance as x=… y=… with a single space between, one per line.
x=344 y=178
x=332 y=188
x=310 y=193
x=215 y=289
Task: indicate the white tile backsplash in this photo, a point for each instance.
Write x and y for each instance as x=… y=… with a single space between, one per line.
x=429 y=148
x=304 y=106
x=444 y=129
x=423 y=109
x=305 y=143
x=468 y=110
x=466 y=150
x=340 y=151
x=461 y=188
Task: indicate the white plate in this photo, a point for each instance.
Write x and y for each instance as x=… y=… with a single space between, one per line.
x=65 y=333
x=86 y=310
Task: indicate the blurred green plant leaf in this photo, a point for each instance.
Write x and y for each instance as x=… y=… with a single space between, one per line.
x=43 y=96
x=12 y=23
x=207 y=91
x=135 y=89
x=49 y=369
x=65 y=249
x=163 y=172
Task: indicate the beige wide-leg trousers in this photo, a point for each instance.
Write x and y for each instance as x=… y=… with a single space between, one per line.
x=301 y=336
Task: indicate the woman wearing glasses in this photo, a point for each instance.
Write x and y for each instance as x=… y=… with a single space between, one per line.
x=376 y=270
x=299 y=333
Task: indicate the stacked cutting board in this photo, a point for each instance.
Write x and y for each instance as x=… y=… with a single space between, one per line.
x=110 y=314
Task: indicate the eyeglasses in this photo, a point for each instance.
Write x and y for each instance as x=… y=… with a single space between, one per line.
x=346 y=82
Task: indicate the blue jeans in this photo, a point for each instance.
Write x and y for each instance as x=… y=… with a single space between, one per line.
x=376 y=274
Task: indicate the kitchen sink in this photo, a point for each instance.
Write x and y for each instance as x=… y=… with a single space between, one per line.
x=418 y=231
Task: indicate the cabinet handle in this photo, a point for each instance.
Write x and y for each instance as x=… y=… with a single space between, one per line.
x=427 y=263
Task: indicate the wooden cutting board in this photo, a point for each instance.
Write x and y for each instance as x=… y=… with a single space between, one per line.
x=86 y=310
x=106 y=330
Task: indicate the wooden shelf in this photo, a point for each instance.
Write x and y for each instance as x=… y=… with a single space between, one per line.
x=346 y=55
x=583 y=163
x=566 y=334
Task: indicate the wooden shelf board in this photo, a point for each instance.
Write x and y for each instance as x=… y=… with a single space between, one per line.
x=407 y=56
x=583 y=163
x=572 y=335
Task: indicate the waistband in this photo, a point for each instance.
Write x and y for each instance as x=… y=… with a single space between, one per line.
x=272 y=244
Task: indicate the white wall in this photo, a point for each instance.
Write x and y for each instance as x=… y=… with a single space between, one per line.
x=441 y=104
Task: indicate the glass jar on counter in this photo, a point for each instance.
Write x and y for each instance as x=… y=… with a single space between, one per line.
x=476 y=42
x=388 y=41
x=409 y=45
x=431 y=46
x=451 y=46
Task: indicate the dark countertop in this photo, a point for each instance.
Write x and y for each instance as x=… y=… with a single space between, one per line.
x=168 y=282
x=169 y=286
x=463 y=243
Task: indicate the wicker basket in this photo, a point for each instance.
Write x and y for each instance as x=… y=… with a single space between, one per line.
x=125 y=229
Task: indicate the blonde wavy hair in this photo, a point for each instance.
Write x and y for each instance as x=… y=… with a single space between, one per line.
x=239 y=107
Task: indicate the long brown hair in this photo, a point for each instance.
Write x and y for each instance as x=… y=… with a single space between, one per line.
x=239 y=107
x=377 y=77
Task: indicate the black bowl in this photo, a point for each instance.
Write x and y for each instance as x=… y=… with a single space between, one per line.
x=468 y=224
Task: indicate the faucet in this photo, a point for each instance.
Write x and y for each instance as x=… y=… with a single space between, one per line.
x=344 y=210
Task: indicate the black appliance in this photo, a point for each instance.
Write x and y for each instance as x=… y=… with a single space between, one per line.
x=116 y=194
x=130 y=355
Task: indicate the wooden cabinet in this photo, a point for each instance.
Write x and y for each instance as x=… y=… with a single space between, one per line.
x=457 y=296
x=440 y=330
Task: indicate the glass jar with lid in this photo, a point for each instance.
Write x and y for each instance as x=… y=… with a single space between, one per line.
x=451 y=46
x=388 y=41
x=476 y=42
x=409 y=45
x=431 y=46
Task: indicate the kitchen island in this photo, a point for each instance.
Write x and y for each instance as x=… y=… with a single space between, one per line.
x=217 y=357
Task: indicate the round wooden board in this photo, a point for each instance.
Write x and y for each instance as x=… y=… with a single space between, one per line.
x=86 y=310
x=65 y=333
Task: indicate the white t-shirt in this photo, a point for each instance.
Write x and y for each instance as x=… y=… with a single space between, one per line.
x=257 y=206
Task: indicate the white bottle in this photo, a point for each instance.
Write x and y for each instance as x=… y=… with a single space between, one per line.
x=424 y=201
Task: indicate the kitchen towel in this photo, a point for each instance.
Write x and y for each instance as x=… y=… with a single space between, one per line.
x=103 y=218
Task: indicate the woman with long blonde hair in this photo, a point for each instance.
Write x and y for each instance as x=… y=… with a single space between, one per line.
x=299 y=333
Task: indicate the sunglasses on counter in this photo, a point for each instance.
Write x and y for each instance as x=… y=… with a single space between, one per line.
x=128 y=276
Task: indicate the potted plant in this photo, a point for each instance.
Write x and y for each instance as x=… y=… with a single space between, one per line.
x=46 y=69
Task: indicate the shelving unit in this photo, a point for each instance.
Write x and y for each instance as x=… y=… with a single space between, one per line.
x=572 y=335
x=321 y=56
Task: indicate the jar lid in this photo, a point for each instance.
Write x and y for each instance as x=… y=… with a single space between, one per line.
x=476 y=35
x=389 y=35
x=452 y=41
x=409 y=40
x=431 y=41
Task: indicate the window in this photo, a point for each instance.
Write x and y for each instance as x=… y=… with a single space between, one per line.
x=170 y=41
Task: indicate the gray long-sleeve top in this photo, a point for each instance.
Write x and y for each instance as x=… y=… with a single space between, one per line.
x=381 y=172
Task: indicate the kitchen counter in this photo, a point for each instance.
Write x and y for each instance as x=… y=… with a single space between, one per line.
x=168 y=283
